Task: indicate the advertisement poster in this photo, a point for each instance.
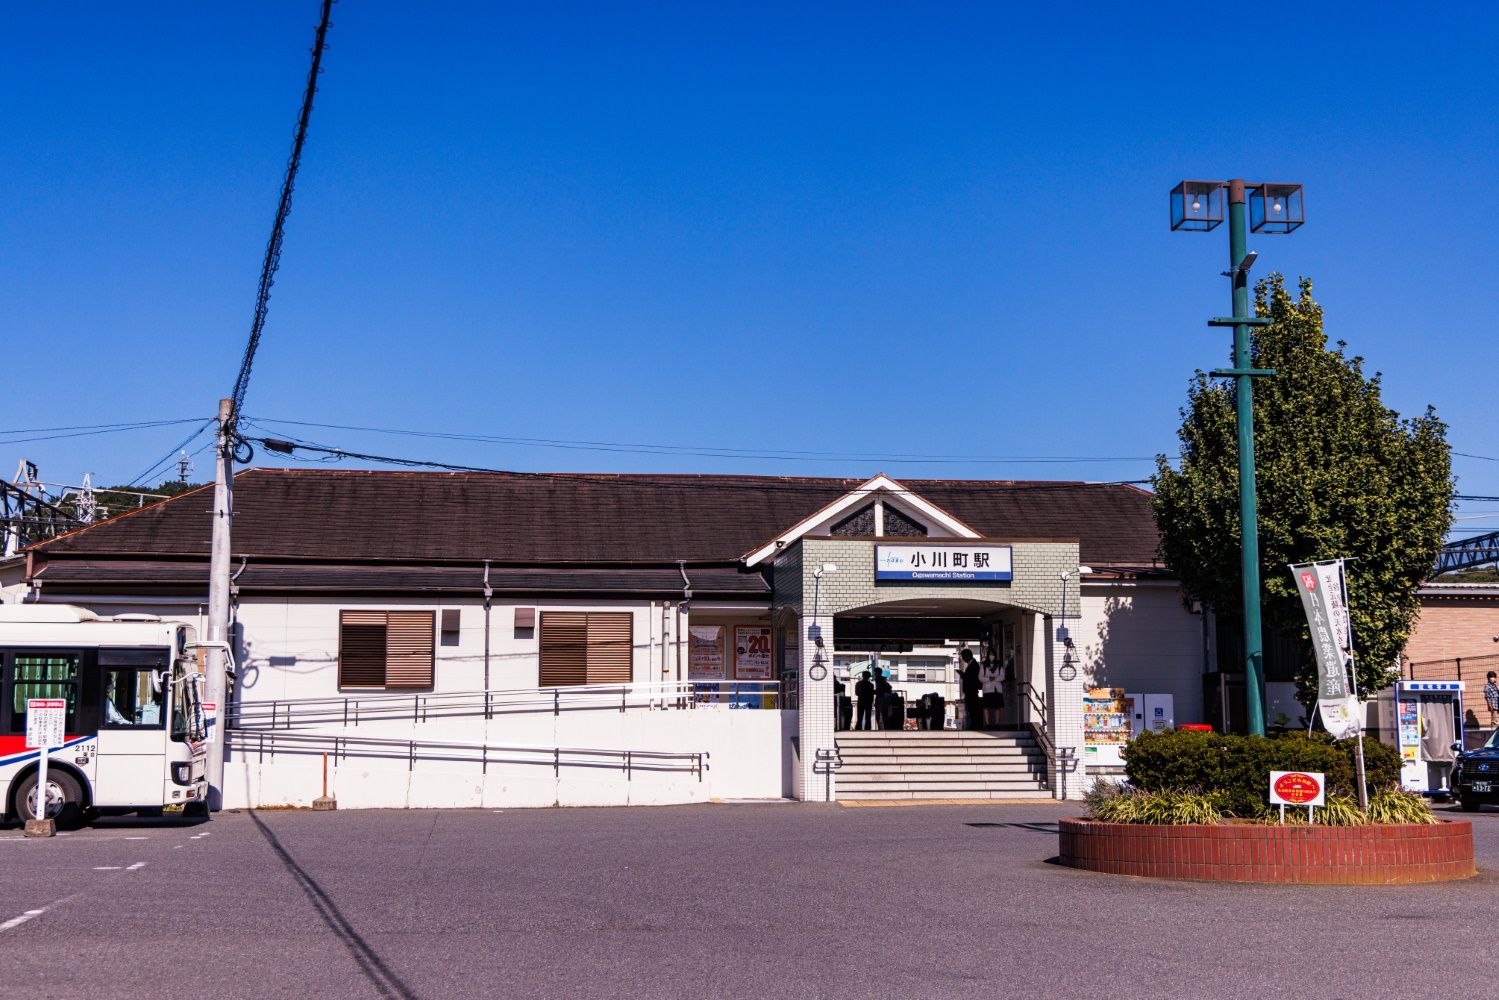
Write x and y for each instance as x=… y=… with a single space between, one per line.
x=752 y=652
x=1409 y=725
x=705 y=652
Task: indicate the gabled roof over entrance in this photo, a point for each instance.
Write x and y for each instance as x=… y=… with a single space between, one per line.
x=543 y=519
x=878 y=490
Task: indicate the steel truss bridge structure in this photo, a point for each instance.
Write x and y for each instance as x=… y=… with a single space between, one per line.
x=1482 y=550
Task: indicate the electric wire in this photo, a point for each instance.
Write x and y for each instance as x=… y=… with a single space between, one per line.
x=651 y=481
x=269 y=424
x=283 y=209
x=202 y=426
x=87 y=430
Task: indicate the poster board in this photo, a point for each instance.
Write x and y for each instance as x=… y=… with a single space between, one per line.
x=705 y=661
x=752 y=652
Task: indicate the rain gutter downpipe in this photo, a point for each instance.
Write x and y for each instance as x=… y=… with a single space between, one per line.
x=488 y=593
x=682 y=610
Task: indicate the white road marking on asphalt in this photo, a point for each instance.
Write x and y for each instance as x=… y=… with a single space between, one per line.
x=106 y=868
x=136 y=867
x=18 y=921
x=176 y=847
x=127 y=838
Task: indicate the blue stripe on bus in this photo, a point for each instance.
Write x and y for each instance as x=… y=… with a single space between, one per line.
x=36 y=754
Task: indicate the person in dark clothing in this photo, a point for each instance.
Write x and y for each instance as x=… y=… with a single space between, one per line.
x=973 y=689
x=882 y=694
x=864 y=698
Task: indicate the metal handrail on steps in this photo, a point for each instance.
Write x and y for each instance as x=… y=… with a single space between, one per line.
x=1061 y=764
x=267 y=742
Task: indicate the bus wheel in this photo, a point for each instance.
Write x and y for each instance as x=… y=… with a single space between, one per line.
x=64 y=798
x=195 y=810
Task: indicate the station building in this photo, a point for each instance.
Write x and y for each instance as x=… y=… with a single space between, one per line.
x=755 y=593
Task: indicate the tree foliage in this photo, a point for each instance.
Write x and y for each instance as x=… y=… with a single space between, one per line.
x=1338 y=474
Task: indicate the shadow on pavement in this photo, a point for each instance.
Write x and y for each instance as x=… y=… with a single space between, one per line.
x=374 y=968
x=1033 y=827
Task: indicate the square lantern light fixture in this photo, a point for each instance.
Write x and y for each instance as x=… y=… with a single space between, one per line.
x=1276 y=208
x=1197 y=206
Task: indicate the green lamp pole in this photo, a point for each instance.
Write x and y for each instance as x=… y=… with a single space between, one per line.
x=1249 y=530
x=1197 y=206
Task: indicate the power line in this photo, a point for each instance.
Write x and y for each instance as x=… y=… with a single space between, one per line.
x=270 y=423
x=646 y=480
x=283 y=209
x=202 y=426
x=87 y=430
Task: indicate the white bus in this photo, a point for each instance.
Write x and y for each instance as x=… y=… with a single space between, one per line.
x=136 y=736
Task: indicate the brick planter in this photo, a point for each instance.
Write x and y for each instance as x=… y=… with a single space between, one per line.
x=1252 y=852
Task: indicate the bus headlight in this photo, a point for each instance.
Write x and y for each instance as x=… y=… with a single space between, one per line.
x=182 y=772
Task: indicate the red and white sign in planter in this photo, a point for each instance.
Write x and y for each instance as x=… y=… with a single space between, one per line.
x=1297 y=788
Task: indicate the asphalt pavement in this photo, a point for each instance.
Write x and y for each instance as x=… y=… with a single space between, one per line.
x=753 y=900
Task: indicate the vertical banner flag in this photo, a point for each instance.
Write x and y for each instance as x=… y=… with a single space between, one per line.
x=1322 y=598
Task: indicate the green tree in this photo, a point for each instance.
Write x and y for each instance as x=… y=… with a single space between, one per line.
x=114 y=500
x=1339 y=474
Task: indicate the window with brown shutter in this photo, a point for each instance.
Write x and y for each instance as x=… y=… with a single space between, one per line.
x=579 y=647
x=386 y=649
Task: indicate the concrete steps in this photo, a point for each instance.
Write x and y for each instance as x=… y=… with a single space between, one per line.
x=941 y=765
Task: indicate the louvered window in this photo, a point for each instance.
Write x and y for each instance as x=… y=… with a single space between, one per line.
x=580 y=647
x=385 y=649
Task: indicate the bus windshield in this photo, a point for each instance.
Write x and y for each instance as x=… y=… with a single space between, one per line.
x=188 y=724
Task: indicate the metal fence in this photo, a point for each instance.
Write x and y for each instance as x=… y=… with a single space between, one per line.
x=1458 y=668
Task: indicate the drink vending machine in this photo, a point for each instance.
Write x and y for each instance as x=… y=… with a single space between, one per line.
x=1423 y=719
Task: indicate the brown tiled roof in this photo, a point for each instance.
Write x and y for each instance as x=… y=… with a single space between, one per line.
x=540 y=519
x=110 y=575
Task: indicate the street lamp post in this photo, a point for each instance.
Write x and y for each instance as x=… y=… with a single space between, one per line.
x=1197 y=206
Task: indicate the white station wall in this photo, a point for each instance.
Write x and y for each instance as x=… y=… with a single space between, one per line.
x=288 y=647
x=1141 y=638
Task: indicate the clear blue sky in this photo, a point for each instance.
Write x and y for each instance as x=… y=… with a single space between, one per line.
x=862 y=229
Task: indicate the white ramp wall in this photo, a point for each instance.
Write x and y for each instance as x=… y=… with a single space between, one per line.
x=745 y=752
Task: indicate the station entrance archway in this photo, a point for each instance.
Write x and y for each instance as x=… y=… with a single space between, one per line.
x=916 y=643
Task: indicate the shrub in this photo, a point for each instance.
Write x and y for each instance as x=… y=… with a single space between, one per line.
x=1101 y=792
x=1395 y=806
x=1236 y=769
x=1340 y=810
x=1168 y=807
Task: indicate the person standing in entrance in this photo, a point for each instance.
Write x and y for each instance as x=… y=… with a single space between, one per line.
x=973 y=704
x=883 y=693
x=1491 y=698
x=992 y=684
x=864 y=697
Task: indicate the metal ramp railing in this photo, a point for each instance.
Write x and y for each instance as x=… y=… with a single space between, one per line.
x=351 y=710
x=268 y=743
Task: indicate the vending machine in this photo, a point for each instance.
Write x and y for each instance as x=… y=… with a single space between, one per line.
x=1154 y=713
x=1108 y=726
x=1423 y=719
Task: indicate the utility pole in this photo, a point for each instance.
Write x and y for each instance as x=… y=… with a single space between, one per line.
x=218 y=600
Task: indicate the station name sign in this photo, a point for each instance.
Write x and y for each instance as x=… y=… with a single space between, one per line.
x=957 y=563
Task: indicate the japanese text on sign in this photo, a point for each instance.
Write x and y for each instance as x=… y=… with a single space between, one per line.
x=45 y=718
x=751 y=653
x=943 y=562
